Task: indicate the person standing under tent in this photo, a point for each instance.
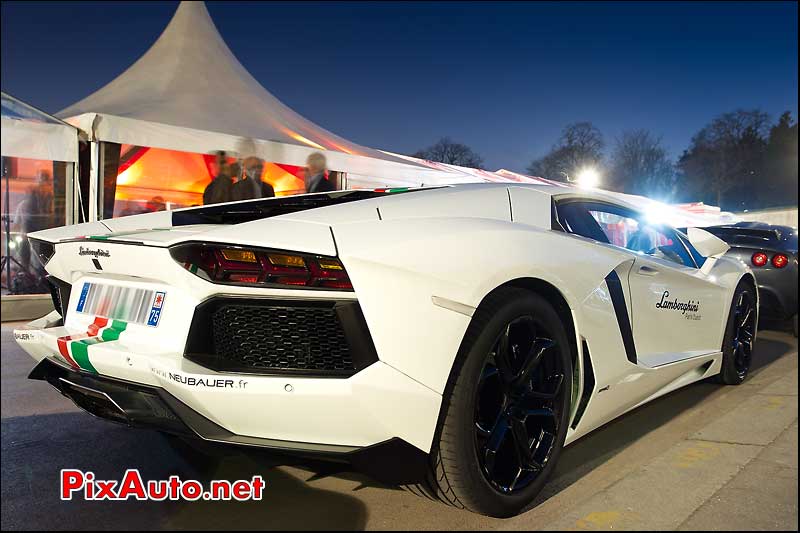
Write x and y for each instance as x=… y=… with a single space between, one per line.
x=219 y=190
x=36 y=212
x=251 y=185
x=316 y=179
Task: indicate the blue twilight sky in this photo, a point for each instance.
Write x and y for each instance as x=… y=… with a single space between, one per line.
x=503 y=78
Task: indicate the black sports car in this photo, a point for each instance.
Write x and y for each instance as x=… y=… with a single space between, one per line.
x=771 y=252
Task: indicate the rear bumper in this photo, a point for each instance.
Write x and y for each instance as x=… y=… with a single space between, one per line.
x=777 y=287
x=338 y=415
x=778 y=292
x=136 y=405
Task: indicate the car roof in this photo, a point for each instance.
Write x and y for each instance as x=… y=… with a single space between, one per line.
x=627 y=200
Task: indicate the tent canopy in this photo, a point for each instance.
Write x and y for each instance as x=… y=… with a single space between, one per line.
x=33 y=134
x=188 y=92
x=190 y=78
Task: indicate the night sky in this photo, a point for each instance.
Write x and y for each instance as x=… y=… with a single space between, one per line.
x=503 y=78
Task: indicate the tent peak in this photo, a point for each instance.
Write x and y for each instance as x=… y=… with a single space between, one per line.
x=190 y=78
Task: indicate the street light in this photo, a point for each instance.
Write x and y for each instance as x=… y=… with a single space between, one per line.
x=588 y=177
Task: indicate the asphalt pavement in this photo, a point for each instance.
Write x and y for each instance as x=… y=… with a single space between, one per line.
x=705 y=457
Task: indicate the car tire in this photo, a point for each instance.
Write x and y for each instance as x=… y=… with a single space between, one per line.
x=740 y=335
x=465 y=451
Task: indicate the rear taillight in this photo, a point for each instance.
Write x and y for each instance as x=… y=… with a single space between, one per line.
x=779 y=260
x=759 y=259
x=256 y=267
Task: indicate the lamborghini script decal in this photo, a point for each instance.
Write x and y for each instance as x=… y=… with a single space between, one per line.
x=690 y=309
x=94 y=253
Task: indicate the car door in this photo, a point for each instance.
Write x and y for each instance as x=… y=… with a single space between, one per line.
x=675 y=308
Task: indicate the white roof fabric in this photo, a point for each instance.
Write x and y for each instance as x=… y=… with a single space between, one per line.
x=37 y=140
x=33 y=134
x=461 y=174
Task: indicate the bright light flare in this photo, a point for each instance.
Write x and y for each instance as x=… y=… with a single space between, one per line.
x=588 y=178
x=658 y=213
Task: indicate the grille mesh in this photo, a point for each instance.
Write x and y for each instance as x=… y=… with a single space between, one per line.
x=281 y=338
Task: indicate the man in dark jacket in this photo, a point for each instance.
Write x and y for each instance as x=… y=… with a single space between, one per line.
x=219 y=190
x=251 y=186
x=316 y=179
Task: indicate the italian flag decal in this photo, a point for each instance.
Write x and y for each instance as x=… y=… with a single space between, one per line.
x=75 y=348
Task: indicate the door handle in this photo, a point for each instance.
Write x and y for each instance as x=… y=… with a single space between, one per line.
x=645 y=270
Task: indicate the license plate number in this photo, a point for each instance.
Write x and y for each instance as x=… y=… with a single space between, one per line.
x=130 y=304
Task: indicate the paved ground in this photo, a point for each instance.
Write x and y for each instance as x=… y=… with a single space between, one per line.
x=705 y=457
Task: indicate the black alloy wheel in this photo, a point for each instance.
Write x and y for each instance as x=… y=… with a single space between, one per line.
x=740 y=335
x=519 y=405
x=744 y=332
x=505 y=411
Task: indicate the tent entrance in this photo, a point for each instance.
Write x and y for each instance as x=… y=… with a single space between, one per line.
x=139 y=179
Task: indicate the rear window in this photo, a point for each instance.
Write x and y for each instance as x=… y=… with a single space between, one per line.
x=746 y=237
x=237 y=213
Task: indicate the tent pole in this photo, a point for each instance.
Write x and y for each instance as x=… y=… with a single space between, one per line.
x=95 y=190
x=69 y=193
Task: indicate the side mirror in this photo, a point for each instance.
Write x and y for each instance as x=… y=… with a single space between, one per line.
x=706 y=243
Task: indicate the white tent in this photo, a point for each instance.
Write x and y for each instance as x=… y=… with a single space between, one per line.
x=29 y=133
x=33 y=134
x=461 y=174
x=188 y=92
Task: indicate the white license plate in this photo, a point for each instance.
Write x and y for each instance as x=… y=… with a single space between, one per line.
x=130 y=304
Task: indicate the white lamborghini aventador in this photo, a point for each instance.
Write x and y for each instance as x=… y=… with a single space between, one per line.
x=451 y=339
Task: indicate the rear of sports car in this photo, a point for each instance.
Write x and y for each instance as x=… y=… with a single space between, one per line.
x=230 y=326
x=771 y=253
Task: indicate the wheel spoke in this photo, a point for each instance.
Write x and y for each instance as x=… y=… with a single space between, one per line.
x=532 y=360
x=558 y=379
x=539 y=395
x=738 y=353
x=747 y=349
x=547 y=437
x=522 y=445
x=496 y=438
x=541 y=412
x=502 y=357
x=746 y=317
x=487 y=433
x=488 y=372
x=514 y=481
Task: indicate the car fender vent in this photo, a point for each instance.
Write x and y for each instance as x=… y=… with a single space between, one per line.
x=588 y=385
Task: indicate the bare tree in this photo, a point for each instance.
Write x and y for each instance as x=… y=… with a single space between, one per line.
x=452 y=153
x=639 y=165
x=725 y=156
x=580 y=145
x=780 y=165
